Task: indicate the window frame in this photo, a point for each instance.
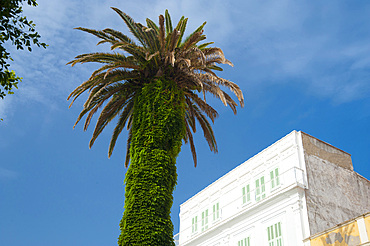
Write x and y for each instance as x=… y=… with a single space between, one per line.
x=275 y=178
x=260 y=191
x=204 y=224
x=244 y=241
x=246 y=194
x=275 y=235
x=194 y=224
x=216 y=212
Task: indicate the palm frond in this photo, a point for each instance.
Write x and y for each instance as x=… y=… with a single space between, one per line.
x=100 y=34
x=192 y=40
x=131 y=24
x=110 y=111
x=152 y=25
x=168 y=22
x=123 y=100
x=136 y=51
x=99 y=57
x=119 y=36
x=200 y=28
x=203 y=46
x=189 y=114
x=95 y=101
x=189 y=136
x=105 y=90
x=207 y=129
x=161 y=34
x=125 y=115
x=98 y=79
x=127 y=159
x=206 y=108
x=175 y=35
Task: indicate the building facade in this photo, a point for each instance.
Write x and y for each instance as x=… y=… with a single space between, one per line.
x=297 y=187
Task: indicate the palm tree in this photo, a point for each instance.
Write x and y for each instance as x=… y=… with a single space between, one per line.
x=154 y=88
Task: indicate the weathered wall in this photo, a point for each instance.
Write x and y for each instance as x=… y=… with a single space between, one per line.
x=335 y=192
x=315 y=147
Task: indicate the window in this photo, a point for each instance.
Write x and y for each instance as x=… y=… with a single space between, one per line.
x=245 y=242
x=260 y=189
x=194 y=224
x=246 y=194
x=274 y=175
x=216 y=211
x=205 y=220
x=274 y=235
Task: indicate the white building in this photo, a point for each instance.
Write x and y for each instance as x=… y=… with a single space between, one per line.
x=295 y=188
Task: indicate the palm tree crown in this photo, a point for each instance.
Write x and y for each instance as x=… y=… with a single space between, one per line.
x=161 y=53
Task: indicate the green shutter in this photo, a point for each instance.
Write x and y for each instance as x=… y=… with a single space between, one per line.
x=196 y=224
x=277 y=176
x=202 y=221
x=248 y=194
x=257 y=186
x=278 y=241
x=263 y=187
x=193 y=224
x=206 y=222
x=243 y=193
x=214 y=212
x=268 y=233
x=276 y=230
x=272 y=232
x=275 y=235
x=272 y=179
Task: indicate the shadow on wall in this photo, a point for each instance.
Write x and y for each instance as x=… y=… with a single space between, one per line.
x=344 y=236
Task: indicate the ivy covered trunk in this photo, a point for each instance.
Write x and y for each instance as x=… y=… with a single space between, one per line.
x=157 y=130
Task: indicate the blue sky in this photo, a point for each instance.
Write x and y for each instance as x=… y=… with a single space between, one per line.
x=302 y=65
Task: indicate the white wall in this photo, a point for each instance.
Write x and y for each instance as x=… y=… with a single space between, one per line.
x=285 y=203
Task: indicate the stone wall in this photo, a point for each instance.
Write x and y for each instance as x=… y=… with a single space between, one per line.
x=335 y=192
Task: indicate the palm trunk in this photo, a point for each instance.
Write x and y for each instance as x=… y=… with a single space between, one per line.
x=157 y=132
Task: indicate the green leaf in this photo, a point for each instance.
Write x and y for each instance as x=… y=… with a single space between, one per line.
x=168 y=23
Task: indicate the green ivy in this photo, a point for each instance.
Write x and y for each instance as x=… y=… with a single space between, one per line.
x=157 y=132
